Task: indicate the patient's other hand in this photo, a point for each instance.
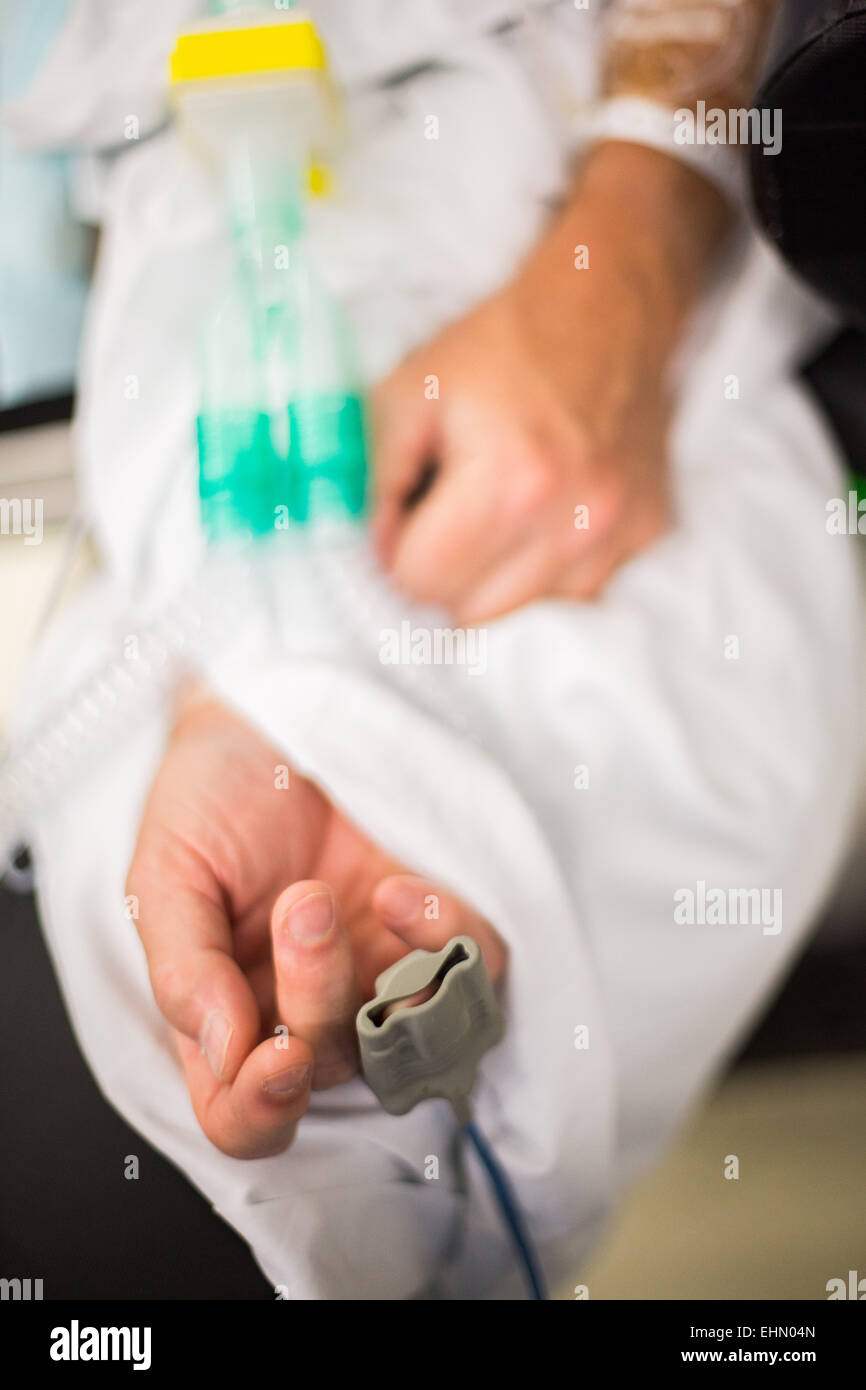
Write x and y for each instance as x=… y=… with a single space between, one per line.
x=544 y=410
x=261 y=909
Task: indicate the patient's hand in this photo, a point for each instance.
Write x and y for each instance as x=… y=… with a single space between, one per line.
x=261 y=907
x=551 y=399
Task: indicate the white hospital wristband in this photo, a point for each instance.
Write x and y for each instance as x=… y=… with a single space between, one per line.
x=644 y=122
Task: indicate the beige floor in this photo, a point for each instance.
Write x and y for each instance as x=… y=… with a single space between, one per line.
x=795 y=1218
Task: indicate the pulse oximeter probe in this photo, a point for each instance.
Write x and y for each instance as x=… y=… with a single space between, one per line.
x=422 y=1037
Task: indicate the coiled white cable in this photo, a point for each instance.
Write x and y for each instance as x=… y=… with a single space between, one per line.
x=119 y=694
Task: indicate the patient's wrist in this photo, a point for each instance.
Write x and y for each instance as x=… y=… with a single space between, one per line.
x=663 y=218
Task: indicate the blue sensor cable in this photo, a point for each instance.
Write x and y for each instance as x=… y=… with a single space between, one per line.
x=511 y=1214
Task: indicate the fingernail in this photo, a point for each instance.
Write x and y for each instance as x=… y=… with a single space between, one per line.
x=214 y=1041
x=312 y=918
x=285 y=1083
x=402 y=901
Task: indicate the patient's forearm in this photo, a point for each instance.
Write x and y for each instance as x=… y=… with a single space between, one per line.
x=663 y=212
x=656 y=217
x=658 y=220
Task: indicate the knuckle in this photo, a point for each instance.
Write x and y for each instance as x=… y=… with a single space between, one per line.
x=533 y=484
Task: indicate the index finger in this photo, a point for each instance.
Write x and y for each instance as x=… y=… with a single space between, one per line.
x=185 y=930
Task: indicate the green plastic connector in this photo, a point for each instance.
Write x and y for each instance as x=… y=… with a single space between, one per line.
x=327 y=467
x=237 y=473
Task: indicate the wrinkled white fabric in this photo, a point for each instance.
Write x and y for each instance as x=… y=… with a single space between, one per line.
x=736 y=772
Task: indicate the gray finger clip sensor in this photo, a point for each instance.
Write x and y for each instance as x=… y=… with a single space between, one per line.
x=432 y=1048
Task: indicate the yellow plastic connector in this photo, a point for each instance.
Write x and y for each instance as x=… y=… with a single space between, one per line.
x=264 y=48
